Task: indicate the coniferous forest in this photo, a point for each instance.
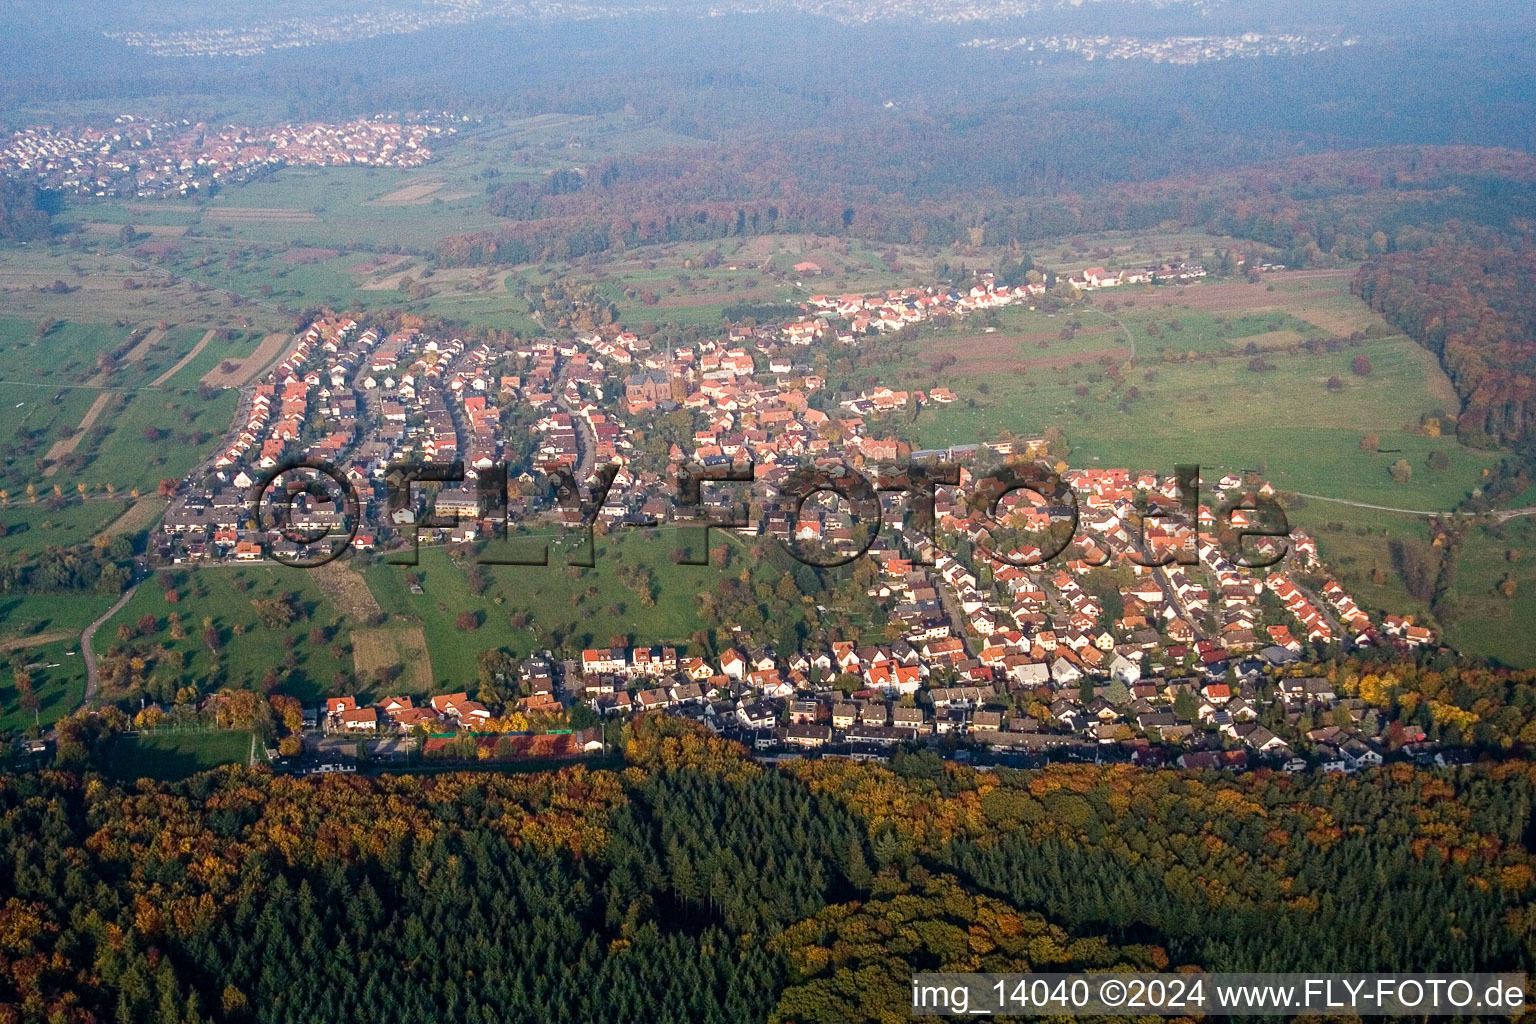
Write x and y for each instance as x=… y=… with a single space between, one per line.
x=694 y=885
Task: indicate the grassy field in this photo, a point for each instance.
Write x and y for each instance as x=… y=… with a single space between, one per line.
x=1485 y=620
x=95 y=426
x=586 y=606
x=1200 y=332
x=346 y=206
x=1356 y=542
x=238 y=345
x=25 y=616
x=109 y=283
x=404 y=646
x=58 y=679
x=168 y=756
x=159 y=351
x=65 y=355
x=32 y=527
x=1226 y=417
x=126 y=455
x=690 y=285
x=343 y=208
x=34 y=418
x=248 y=649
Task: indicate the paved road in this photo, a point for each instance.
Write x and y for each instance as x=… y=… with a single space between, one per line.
x=961 y=625
x=1501 y=516
x=92 y=673
x=586 y=440
x=1171 y=596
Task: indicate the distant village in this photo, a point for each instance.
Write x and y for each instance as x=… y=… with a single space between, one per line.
x=1094 y=655
x=1183 y=50
x=134 y=158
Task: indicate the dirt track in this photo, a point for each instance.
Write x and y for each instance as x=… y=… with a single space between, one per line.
x=1003 y=351
x=258 y=215
x=64 y=446
x=202 y=343
x=270 y=348
x=36 y=640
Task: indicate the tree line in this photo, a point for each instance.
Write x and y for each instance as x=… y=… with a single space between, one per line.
x=698 y=886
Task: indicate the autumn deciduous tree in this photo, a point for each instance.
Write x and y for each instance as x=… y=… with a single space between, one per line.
x=275 y=612
x=468 y=621
x=1401 y=471
x=1361 y=366
x=287 y=710
x=1370 y=443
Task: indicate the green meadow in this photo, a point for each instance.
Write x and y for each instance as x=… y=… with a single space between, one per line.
x=168 y=756
x=1484 y=619
x=151 y=435
x=31 y=527
x=1219 y=413
x=50 y=385
x=1356 y=544
x=585 y=607
x=58 y=680
x=248 y=649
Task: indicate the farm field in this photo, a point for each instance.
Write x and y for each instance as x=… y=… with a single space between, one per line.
x=1201 y=332
x=389 y=648
x=176 y=755
x=693 y=283
x=413 y=208
x=346 y=279
x=230 y=369
x=182 y=363
x=335 y=206
x=1017 y=340
x=140 y=516
x=248 y=649
x=154 y=357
